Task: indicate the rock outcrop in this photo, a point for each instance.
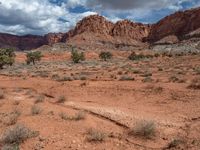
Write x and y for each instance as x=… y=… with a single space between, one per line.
x=53 y=38
x=178 y=24
x=97 y=30
x=126 y=28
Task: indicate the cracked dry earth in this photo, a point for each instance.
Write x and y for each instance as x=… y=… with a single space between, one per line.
x=111 y=106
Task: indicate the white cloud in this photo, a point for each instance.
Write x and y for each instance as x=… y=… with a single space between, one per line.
x=36 y=17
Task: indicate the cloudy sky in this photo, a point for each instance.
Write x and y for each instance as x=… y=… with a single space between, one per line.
x=42 y=16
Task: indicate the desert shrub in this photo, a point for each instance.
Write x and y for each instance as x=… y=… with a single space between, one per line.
x=76 y=56
x=11 y=147
x=147 y=79
x=146 y=74
x=83 y=78
x=173 y=79
x=198 y=46
x=144 y=128
x=134 y=56
x=35 y=110
x=66 y=78
x=1 y=94
x=197 y=70
x=39 y=99
x=55 y=77
x=64 y=116
x=32 y=57
x=127 y=78
x=160 y=69
x=105 y=55
x=79 y=116
x=174 y=143
x=195 y=84
x=12 y=118
x=94 y=135
x=61 y=99
x=156 y=55
x=16 y=103
x=17 y=135
x=7 y=57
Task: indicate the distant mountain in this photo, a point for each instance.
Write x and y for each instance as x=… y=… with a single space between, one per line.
x=28 y=42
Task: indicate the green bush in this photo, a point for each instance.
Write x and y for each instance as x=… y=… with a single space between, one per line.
x=105 y=55
x=76 y=56
x=32 y=57
x=7 y=57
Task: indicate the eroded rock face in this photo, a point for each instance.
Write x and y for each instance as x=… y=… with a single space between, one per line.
x=53 y=38
x=99 y=25
x=95 y=29
x=131 y=30
x=178 y=24
x=95 y=24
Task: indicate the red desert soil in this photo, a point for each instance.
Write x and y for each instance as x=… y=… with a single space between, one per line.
x=158 y=93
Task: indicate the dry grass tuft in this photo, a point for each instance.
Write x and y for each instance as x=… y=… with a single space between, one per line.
x=79 y=116
x=61 y=99
x=35 y=110
x=39 y=99
x=1 y=94
x=94 y=135
x=195 y=84
x=144 y=128
x=17 y=135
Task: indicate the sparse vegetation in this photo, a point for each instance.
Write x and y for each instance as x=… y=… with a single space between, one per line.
x=127 y=78
x=78 y=116
x=147 y=79
x=195 y=84
x=16 y=103
x=94 y=135
x=197 y=70
x=16 y=135
x=39 y=99
x=64 y=116
x=11 y=147
x=32 y=57
x=134 y=56
x=1 y=94
x=61 y=99
x=174 y=143
x=173 y=79
x=11 y=119
x=7 y=57
x=35 y=110
x=144 y=128
x=76 y=56
x=105 y=56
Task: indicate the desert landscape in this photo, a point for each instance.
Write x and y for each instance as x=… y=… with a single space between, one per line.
x=103 y=86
